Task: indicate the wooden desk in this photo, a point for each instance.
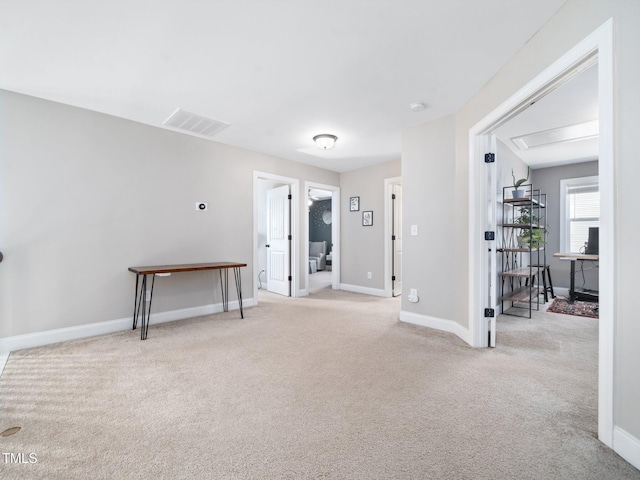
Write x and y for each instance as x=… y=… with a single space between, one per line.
x=573 y=257
x=140 y=308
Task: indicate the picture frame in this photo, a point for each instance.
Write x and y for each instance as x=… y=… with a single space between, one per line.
x=367 y=218
x=354 y=204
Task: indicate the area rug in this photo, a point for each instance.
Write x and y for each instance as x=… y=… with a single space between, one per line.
x=578 y=308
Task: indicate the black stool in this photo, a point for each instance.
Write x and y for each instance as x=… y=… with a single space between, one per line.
x=549 y=287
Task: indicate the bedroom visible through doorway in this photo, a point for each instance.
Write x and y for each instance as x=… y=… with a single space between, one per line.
x=322 y=263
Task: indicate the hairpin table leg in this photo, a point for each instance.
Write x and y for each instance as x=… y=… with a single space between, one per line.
x=238 y=278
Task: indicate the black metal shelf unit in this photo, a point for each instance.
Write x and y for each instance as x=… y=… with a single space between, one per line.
x=523 y=253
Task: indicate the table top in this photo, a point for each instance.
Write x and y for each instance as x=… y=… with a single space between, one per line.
x=576 y=256
x=185 y=267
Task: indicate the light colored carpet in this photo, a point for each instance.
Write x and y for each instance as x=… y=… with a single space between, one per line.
x=330 y=386
x=319 y=280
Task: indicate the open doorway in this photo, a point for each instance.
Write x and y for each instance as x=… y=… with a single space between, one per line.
x=552 y=142
x=322 y=228
x=275 y=229
x=320 y=240
x=482 y=272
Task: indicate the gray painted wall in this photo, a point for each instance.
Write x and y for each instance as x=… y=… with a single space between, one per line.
x=548 y=180
x=363 y=247
x=84 y=196
x=428 y=191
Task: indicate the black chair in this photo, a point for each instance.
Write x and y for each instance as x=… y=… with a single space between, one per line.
x=546 y=275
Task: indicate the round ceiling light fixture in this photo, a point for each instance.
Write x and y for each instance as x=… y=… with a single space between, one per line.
x=417 y=106
x=325 y=140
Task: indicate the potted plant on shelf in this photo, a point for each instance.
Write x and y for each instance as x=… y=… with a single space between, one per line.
x=517 y=193
x=532 y=238
x=532 y=234
x=526 y=217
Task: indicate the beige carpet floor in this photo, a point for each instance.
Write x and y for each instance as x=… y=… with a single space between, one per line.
x=330 y=386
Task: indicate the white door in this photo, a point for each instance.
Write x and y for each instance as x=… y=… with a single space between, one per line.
x=278 y=240
x=396 y=239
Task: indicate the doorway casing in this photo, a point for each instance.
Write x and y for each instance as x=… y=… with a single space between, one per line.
x=599 y=43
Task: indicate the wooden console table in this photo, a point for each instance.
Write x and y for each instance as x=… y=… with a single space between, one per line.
x=140 y=308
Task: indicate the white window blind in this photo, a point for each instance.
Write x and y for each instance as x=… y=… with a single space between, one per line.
x=582 y=210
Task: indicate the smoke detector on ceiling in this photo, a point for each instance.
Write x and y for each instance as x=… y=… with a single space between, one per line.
x=188 y=122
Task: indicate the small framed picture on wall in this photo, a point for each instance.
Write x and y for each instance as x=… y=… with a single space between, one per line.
x=367 y=218
x=354 y=204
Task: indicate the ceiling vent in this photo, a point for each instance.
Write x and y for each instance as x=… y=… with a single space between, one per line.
x=195 y=124
x=569 y=133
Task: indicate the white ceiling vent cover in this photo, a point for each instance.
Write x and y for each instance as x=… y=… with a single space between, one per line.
x=194 y=124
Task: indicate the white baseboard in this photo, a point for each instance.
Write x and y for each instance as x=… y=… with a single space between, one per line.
x=564 y=292
x=437 y=324
x=376 y=292
x=627 y=446
x=3 y=361
x=29 y=340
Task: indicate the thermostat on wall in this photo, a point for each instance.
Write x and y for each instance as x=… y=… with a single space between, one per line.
x=201 y=206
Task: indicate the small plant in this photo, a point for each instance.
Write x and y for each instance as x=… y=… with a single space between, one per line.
x=533 y=238
x=526 y=217
x=517 y=183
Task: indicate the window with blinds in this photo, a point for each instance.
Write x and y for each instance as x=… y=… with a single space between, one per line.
x=582 y=210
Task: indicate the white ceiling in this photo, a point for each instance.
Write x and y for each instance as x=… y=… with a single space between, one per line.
x=280 y=71
x=574 y=102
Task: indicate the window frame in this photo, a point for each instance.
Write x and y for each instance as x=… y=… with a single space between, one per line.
x=565 y=224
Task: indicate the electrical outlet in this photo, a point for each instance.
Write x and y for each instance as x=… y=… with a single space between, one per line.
x=414 y=230
x=413 y=295
x=148 y=295
x=369 y=275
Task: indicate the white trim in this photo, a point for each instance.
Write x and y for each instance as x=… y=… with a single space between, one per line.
x=335 y=233
x=30 y=340
x=627 y=446
x=376 y=292
x=388 y=186
x=606 y=234
x=294 y=183
x=4 y=357
x=436 y=323
x=599 y=42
